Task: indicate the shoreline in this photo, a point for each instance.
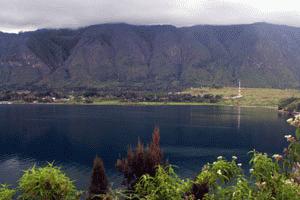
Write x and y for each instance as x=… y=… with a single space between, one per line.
x=252 y=98
x=119 y=103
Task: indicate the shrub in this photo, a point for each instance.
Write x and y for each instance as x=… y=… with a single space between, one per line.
x=289 y=104
x=294 y=106
x=141 y=161
x=270 y=181
x=266 y=182
x=46 y=183
x=164 y=185
x=292 y=152
x=239 y=191
x=6 y=193
x=198 y=191
x=263 y=167
x=99 y=182
x=213 y=175
x=285 y=102
x=275 y=178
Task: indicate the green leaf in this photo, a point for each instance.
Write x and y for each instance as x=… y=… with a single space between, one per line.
x=298 y=133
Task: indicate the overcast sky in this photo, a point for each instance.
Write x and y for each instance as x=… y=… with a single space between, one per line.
x=23 y=15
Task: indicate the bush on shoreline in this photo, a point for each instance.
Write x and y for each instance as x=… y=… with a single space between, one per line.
x=290 y=105
x=149 y=178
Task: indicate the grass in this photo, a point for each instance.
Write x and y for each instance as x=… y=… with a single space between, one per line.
x=259 y=97
x=265 y=97
x=118 y=102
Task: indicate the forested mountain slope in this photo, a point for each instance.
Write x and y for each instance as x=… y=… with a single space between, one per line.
x=151 y=57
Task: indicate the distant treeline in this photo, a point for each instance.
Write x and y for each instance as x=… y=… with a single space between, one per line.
x=90 y=96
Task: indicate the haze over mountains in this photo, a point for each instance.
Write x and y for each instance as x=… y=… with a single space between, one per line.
x=151 y=57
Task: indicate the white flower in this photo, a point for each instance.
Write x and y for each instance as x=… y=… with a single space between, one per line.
x=294 y=122
x=251 y=170
x=220 y=157
x=288 y=181
x=219 y=172
x=288 y=136
x=260 y=184
x=240 y=164
x=234 y=157
x=277 y=157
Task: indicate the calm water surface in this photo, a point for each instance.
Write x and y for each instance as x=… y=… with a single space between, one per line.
x=72 y=135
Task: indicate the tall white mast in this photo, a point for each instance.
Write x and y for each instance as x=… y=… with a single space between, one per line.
x=240 y=92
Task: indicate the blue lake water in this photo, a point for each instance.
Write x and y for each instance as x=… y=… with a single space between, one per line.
x=72 y=135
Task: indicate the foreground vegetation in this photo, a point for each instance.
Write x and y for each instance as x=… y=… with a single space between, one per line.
x=147 y=176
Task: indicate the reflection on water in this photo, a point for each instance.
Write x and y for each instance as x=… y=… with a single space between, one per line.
x=238 y=118
x=72 y=135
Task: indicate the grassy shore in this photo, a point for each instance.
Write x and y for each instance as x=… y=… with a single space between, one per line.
x=252 y=97
x=264 y=97
x=98 y=101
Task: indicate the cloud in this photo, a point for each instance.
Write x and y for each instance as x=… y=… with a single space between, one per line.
x=22 y=15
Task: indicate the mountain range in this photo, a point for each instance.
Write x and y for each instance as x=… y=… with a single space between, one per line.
x=151 y=57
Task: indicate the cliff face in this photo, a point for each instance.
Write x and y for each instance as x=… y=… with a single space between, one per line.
x=110 y=55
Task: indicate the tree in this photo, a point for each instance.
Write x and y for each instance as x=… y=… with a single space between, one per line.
x=141 y=161
x=99 y=182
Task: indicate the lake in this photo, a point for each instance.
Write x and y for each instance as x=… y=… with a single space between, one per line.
x=72 y=135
